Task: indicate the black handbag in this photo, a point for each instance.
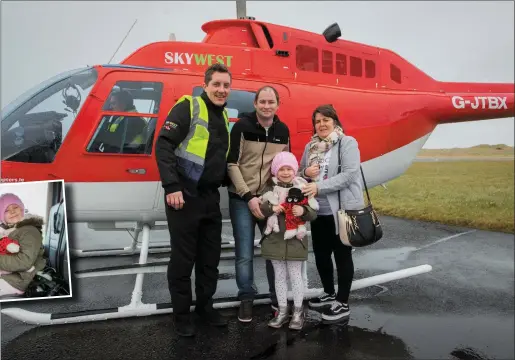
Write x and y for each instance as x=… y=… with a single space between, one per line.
x=358 y=228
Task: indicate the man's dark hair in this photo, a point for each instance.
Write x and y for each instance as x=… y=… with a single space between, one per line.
x=265 y=88
x=125 y=98
x=328 y=111
x=215 y=68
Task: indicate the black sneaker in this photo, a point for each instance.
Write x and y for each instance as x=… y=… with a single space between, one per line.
x=183 y=325
x=323 y=300
x=212 y=317
x=245 y=313
x=336 y=311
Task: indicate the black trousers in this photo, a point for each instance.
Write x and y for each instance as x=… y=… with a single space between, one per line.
x=195 y=239
x=325 y=243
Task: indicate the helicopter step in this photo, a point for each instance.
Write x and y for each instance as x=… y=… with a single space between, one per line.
x=135 y=247
x=137 y=308
x=148 y=267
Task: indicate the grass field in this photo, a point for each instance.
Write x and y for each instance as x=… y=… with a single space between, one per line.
x=479 y=151
x=476 y=194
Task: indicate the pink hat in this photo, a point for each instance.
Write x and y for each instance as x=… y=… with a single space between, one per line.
x=282 y=159
x=9 y=199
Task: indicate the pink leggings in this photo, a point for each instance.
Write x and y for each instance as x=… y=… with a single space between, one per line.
x=7 y=289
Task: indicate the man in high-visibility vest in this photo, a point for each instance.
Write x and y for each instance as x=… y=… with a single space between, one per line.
x=191 y=154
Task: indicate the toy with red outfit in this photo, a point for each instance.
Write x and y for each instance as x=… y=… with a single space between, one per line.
x=294 y=224
x=8 y=246
x=287 y=195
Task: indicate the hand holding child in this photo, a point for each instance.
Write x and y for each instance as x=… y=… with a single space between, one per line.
x=298 y=210
x=277 y=209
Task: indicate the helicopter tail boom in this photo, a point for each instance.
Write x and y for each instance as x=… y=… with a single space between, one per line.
x=475 y=101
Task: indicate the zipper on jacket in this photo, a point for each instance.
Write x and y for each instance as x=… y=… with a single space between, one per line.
x=262 y=160
x=285 y=244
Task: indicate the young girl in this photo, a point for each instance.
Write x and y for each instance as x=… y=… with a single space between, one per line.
x=287 y=245
x=17 y=270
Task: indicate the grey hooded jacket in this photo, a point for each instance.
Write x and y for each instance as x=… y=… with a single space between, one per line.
x=349 y=181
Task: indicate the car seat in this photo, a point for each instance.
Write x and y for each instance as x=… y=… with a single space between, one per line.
x=53 y=280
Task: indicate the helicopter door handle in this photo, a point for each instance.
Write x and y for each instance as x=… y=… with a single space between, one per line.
x=137 y=171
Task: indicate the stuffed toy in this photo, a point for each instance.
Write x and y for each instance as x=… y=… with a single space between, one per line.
x=279 y=196
x=294 y=224
x=7 y=245
x=275 y=197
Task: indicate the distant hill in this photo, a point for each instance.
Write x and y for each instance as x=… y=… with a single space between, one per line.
x=500 y=150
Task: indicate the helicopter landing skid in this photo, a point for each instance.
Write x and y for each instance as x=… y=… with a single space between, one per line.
x=137 y=308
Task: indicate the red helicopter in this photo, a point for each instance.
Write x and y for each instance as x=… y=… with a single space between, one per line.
x=55 y=130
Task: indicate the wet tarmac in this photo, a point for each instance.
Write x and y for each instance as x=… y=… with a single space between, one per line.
x=462 y=309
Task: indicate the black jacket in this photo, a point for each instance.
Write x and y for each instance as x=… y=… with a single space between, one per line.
x=253 y=149
x=174 y=131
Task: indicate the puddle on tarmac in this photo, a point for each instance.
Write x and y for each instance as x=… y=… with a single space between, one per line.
x=383 y=259
x=484 y=336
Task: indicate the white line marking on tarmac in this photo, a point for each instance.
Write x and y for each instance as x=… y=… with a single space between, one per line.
x=444 y=239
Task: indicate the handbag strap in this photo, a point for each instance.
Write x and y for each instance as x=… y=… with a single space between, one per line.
x=340 y=169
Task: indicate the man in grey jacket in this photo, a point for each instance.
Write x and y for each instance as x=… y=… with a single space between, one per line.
x=319 y=164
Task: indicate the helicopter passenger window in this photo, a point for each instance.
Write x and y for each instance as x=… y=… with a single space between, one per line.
x=239 y=101
x=34 y=128
x=341 y=64
x=395 y=73
x=307 y=58
x=370 y=69
x=327 y=62
x=119 y=133
x=356 y=66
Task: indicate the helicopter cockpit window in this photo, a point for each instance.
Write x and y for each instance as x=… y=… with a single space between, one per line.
x=146 y=96
x=239 y=101
x=34 y=127
x=120 y=133
x=307 y=58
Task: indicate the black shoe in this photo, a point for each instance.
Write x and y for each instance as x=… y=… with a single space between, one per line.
x=337 y=311
x=212 y=317
x=323 y=300
x=184 y=325
x=245 y=312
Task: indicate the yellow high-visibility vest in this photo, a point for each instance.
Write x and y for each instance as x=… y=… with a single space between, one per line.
x=139 y=139
x=191 y=152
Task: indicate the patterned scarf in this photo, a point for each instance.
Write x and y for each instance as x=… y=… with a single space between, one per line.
x=319 y=147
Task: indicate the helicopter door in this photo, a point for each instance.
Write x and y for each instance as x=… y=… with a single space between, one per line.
x=112 y=171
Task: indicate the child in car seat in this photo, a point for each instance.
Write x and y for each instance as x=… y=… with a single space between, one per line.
x=287 y=245
x=18 y=269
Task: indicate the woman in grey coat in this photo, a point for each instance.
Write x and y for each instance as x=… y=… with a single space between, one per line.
x=319 y=165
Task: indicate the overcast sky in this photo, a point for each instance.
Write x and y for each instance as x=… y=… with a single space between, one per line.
x=450 y=41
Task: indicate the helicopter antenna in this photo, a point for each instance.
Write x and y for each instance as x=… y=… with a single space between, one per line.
x=241 y=9
x=119 y=46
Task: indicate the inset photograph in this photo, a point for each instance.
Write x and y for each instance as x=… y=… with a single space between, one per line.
x=34 y=251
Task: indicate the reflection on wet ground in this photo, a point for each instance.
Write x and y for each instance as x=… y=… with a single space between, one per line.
x=370 y=335
x=153 y=338
x=462 y=310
